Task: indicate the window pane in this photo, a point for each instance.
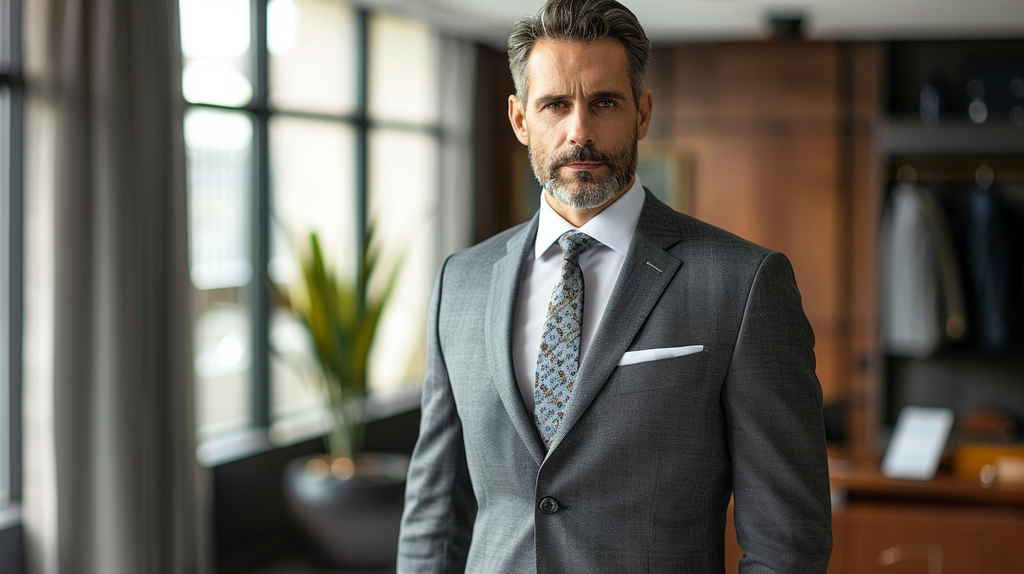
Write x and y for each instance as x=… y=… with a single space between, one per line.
x=403 y=70
x=5 y=26
x=5 y=298
x=220 y=164
x=219 y=147
x=313 y=187
x=215 y=41
x=403 y=203
x=298 y=405
x=313 y=61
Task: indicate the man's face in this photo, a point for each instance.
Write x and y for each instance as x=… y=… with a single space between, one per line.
x=580 y=121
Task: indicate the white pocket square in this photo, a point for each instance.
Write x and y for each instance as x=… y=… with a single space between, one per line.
x=642 y=356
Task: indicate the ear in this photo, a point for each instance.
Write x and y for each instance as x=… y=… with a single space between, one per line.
x=643 y=117
x=517 y=117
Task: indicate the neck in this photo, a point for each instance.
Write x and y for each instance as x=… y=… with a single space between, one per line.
x=578 y=217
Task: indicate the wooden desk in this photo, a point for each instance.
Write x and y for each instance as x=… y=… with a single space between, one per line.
x=868 y=482
x=945 y=525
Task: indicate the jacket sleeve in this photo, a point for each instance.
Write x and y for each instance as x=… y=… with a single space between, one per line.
x=439 y=503
x=772 y=402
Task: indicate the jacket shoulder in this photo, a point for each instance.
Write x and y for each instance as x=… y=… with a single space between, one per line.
x=490 y=249
x=723 y=246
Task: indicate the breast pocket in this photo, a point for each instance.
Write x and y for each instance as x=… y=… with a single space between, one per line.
x=661 y=374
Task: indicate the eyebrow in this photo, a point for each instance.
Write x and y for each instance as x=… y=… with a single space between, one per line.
x=611 y=95
x=545 y=100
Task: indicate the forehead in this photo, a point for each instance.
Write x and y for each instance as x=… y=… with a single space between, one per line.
x=593 y=66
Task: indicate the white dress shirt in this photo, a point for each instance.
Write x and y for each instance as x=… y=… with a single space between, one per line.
x=613 y=228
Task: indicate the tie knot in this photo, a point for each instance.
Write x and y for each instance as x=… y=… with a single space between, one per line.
x=573 y=243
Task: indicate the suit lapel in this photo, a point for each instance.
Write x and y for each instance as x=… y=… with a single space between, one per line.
x=646 y=272
x=506 y=278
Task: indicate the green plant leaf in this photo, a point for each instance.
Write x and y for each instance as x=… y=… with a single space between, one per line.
x=342 y=318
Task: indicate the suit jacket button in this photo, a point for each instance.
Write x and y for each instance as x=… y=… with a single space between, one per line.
x=548 y=505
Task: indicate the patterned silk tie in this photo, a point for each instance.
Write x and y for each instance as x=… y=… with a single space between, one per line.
x=559 y=356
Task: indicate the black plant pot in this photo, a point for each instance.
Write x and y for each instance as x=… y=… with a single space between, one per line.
x=349 y=515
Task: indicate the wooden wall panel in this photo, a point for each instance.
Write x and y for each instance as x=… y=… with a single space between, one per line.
x=865 y=214
x=779 y=135
x=865 y=207
x=754 y=80
x=777 y=190
x=866 y=75
x=495 y=147
x=864 y=394
x=830 y=352
x=840 y=542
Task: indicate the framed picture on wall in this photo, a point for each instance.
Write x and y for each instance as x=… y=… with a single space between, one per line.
x=527 y=200
x=668 y=173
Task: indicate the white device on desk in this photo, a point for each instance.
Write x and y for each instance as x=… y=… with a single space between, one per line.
x=917 y=443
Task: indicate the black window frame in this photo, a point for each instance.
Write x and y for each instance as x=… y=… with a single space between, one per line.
x=12 y=261
x=12 y=80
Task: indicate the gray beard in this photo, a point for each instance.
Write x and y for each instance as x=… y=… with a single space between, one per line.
x=581 y=192
x=587 y=194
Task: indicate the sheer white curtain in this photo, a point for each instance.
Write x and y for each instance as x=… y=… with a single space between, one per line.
x=110 y=473
x=458 y=87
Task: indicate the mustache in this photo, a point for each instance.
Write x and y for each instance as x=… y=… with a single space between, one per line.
x=583 y=154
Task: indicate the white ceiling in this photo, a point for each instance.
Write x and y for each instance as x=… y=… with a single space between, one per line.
x=680 y=20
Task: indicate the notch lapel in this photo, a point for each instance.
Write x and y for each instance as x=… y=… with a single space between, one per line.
x=506 y=277
x=646 y=272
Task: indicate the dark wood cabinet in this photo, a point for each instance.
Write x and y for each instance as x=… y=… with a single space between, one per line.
x=945 y=525
x=896 y=539
x=942 y=526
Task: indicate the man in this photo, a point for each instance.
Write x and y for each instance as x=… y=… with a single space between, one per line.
x=604 y=377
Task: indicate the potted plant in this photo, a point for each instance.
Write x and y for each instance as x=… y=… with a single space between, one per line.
x=347 y=503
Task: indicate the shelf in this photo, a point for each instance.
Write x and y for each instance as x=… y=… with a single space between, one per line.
x=867 y=481
x=908 y=137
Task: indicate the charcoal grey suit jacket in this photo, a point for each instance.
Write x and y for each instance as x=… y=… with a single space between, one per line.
x=639 y=476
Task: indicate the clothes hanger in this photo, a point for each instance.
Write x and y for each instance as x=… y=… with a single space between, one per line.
x=907 y=176
x=984 y=176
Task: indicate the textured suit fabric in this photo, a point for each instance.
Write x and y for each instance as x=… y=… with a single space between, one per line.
x=648 y=454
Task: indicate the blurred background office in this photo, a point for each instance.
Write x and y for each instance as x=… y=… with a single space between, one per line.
x=163 y=163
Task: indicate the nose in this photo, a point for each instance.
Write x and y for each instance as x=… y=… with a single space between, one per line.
x=580 y=130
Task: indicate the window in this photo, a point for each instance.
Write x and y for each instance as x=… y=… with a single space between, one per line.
x=304 y=115
x=11 y=82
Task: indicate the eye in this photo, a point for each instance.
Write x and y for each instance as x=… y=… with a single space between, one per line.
x=554 y=106
x=606 y=103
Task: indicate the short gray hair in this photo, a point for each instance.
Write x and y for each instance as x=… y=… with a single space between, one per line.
x=579 y=21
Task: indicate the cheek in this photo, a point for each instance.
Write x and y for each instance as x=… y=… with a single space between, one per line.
x=548 y=129
x=541 y=155
x=540 y=141
x=620 y=138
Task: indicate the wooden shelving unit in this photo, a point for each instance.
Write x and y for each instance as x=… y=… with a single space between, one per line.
x=883 y=525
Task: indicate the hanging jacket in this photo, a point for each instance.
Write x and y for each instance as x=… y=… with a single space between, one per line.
x=992 y=271
x=921 y=301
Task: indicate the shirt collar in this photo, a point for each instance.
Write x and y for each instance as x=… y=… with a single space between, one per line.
x=613 y=227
